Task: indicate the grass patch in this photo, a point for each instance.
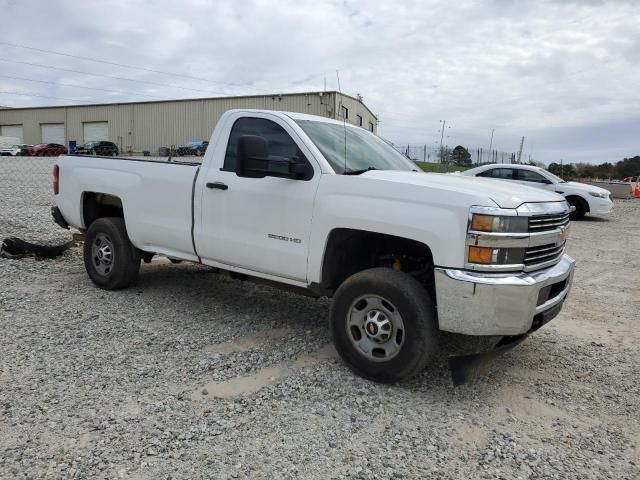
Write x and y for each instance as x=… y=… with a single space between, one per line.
x=439 y=167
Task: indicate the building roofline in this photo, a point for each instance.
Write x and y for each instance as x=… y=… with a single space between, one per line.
x=233 y=97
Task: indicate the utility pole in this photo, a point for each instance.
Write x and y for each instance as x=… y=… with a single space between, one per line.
x=491 y=143
x=520 y=151
x=444 y=123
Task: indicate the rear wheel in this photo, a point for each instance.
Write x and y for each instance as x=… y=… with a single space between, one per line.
x=581 y=208
x=110 y=259
x=383 y=324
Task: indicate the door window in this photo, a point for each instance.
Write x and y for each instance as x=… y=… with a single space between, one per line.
x=503 y=173
x=530 y=176
x=279 y=142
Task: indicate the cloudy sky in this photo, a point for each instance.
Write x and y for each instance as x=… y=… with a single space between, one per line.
x=564 y=74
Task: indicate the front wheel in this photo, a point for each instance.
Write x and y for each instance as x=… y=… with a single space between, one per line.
x=110 y=259
x=580 y=208
x=383 y=324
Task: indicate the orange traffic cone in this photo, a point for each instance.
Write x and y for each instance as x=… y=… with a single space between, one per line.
x=637 y=191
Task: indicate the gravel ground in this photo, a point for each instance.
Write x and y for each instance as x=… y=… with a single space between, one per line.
x=193 y=375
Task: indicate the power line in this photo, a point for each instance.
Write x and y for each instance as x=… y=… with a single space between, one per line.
x=107 y=76
x=80 y=86
x=106 y=62
x=133 y=67
x=41 y=96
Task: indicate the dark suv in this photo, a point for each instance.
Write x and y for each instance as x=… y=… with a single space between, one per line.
x=103 y=148
x=195 y=147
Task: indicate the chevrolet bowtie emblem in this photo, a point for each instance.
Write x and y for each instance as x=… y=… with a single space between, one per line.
x=563 y=234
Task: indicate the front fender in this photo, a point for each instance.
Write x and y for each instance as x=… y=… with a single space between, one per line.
x=434 y=218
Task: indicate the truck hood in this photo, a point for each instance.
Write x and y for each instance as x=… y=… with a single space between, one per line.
x=504 y=194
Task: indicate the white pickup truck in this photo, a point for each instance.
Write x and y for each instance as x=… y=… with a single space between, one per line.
x=331 y=210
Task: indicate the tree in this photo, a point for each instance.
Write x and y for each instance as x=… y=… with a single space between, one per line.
x=445 y=155
x=629 y=167
x=585 y=170
x=461 y=157
x=566 y=172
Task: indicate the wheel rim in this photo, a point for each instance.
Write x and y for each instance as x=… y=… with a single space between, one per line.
x=375 y=328
x=102 y=254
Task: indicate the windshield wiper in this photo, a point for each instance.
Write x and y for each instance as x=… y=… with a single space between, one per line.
x=358 y=172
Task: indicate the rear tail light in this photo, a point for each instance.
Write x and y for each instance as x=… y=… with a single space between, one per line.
x=56 y=179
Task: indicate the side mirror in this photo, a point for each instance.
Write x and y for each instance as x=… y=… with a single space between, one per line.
x=253 y=160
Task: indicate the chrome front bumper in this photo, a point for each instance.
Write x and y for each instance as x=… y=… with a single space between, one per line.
x=480 y=303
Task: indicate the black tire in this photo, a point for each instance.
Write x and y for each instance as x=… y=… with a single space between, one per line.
x=581 y=208
x=122 y=270
x=420 y=335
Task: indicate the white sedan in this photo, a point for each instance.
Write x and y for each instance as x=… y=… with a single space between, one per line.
x=12 y=150
x=585 y=198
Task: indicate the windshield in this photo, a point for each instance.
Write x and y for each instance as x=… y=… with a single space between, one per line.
x=364 y=151
x=554 y=177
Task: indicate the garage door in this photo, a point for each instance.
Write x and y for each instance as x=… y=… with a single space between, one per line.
x=52 y=133
x=95 y=131
x=12 y=131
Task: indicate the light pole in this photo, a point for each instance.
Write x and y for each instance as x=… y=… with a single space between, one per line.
x=444 y=125
x=491 y=144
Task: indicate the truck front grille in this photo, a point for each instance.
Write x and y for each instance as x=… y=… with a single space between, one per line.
x=543 y=255
x=542 y=223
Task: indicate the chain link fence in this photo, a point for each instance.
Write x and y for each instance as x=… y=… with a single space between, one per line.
x=26 y=197
x=434 y=154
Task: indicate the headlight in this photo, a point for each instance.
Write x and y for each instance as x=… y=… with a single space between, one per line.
x=599 y=194
x=495 y=256
x=498 y=224
x=496 y=238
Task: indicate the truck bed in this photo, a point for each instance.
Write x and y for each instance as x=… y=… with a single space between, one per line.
x=156 y=196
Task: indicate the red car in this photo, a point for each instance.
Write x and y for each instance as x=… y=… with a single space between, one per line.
x=44 y=150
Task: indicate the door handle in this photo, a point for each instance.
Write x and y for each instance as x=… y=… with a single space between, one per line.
x=218 y=185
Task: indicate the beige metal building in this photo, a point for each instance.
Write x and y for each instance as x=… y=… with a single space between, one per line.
x=139 y=126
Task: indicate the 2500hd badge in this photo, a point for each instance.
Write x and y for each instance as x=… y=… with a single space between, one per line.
x=284 y=238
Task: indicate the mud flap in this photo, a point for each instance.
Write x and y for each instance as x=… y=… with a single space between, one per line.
x=58 y=218
x=465 y=368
